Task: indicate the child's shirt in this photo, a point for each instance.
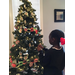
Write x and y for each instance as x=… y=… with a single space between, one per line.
x=53 y=61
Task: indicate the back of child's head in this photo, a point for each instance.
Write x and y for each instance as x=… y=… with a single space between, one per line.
x=57 y=34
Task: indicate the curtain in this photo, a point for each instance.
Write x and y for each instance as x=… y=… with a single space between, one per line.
x=11 y=26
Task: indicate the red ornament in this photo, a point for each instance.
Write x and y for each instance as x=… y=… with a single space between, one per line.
x=36 y=31
x=10 y=60
x=62 y=40
x=17 y=41
x=25 y=29
x=10 y=57
x=31 y=64
x=16 y=27
x=13 y=65
x=39 y=34
x=31 y=29
x=13 y=45
x=36 y=60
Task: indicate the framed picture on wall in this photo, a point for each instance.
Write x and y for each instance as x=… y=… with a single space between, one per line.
x=59 y=15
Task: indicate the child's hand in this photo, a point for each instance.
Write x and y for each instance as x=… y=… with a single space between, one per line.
x=38 y=48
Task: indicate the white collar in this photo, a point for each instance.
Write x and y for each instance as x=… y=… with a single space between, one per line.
x=57 y=48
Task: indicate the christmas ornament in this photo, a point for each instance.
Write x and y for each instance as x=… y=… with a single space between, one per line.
x=16 y=27
x=32 y=14
x=34 y=19
x=28 y=9
x=17 y=41
x=13 y=45
x=25 y=58
x=21 y=19
x=24 y=49
x=25 y=53
x=10 y=60
x=25 y=29
x=20 y=30
x=25 y=21
x=18 y=74
x=20 y=53
x=35 y=42
x=30 y=23
x=62 y=40
x=31 y=29
x=13 y=65
x=29 y=44
x=26 y=13
x=36 y=31
x=31 y=64
x=36 y=60
x=18 y=21
x=20 y=57
x=34 y=56
x=34 y=70
x=25 y=6
x=24 y=62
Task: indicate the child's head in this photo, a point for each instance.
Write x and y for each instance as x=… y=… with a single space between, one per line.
x=55 y=35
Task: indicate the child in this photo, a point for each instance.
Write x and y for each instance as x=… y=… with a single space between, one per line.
x=54 y=59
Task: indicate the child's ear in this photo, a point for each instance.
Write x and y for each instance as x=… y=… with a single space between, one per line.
x=53 y=39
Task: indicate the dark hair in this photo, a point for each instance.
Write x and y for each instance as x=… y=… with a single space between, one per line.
x=57 y=34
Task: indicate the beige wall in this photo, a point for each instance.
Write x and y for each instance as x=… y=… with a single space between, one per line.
x=47 y=22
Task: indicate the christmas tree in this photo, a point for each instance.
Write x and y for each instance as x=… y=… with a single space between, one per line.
x=24 y=58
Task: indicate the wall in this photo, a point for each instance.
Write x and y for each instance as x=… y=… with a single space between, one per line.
x=48 y=18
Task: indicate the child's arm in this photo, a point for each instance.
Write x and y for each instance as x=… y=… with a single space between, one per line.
x=44 y=60
x=45 y=49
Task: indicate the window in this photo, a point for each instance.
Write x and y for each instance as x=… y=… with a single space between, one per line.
x=35 y=5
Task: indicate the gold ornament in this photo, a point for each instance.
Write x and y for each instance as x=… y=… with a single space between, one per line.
x=18 y=74
x=25 y=21
x=42 y=68
x=25 y=6
x=19 y=47
x=21 y=69
x=18 y=21
x=34 y=19
x=20 y=57
x=20 y=31
x=22 y=48
x=34 y=55
x=26 y=13
x=38 y=66
x=28 y=9
x=32 y=45
x=29 y=38
x=30 y=23
x=21 y=18
x=31 y=57
x=9 y=71
x=16 y=49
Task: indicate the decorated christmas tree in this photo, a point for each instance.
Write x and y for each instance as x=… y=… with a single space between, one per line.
x=24 y=58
